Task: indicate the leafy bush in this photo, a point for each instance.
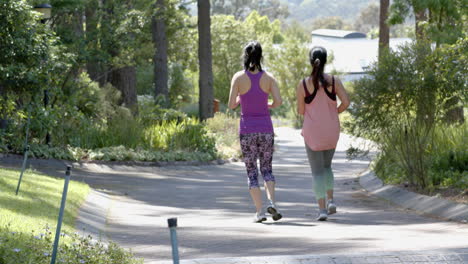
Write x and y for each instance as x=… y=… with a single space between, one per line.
x=151 y=114
x=403 y=105
x=21 y=248
x=449 y=157
x=121 y=153
x=188 y=134
x=225 y=129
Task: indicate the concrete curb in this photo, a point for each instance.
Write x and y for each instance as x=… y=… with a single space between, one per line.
x=92 y=216
x=432 y=206
x=433 y=256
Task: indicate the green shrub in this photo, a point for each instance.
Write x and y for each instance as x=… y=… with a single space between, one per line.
x=404 y=103
x=36 y=247
x=443 y=163
x=120 y=153
x=189 y=135
x=191 y=110
x=449 y=157
x=151 y=114
x=225 y=129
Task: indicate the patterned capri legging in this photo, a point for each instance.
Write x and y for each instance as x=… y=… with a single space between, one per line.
x=257 y=146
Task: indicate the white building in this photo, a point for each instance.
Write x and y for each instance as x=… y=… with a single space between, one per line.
x=353 y=53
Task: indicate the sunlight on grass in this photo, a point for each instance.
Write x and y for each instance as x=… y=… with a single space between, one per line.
x=38 y=201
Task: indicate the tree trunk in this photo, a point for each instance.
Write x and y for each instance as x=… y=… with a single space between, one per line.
x=160 y=55
x=3 y=117
x=124 y=79
x=92 y=62
x=204 y=57
x=420 y=16
x=384 y=29
x=106 y=41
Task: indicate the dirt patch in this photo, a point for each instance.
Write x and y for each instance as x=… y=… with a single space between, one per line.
x=452 y=194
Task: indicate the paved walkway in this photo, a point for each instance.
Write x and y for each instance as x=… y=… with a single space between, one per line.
x=131 y=205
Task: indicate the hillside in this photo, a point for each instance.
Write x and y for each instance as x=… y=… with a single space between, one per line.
x=307 y=10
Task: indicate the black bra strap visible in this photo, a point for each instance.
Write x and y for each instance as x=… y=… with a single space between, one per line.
x=305 y=87
x=309 y=97
x=332 y=94
x=333 y=85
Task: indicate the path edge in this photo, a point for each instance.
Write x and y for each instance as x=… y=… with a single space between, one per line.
x=433 y=206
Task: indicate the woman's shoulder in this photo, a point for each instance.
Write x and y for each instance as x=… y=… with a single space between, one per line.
x=330 y=77
x=238 y=75
x=269 y=75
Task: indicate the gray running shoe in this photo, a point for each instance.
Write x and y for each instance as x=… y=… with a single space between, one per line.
x=322 y=215
x=259 y=217
x=273 y=210
x=331 y=207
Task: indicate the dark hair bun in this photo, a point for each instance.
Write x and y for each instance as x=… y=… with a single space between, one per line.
x=253 y=56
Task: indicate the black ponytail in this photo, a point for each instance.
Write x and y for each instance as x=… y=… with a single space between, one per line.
x=253 y=56
x=318 y=58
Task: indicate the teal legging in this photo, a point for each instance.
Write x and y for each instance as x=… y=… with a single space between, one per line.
x=320 y=164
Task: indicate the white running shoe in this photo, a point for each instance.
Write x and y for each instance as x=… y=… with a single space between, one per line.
x=273 y=210
x=259 y=217
x=331 y=207
x=322 y=215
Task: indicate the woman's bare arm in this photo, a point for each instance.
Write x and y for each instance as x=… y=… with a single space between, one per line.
x=341 y=92
x=233 y=94
x=300 y=99
x=277 y=101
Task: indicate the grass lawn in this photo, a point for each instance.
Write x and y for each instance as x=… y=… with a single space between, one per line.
x=24 y=238
x=38 y=202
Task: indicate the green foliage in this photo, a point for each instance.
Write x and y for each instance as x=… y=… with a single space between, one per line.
x=442 y=161
x=25 y=236
x=121 y=153
x=188 y=135
x=446 y=22
x=368 y=18
x=23 y=42
x=303 y=10
x=402 y=106
x=225 y=129
x=151 y=114
x=273 y=9
x=38 y=201
x=262 y=29
x=332 y=22
x=36 y=247
x=411 y=84
x=180 y=86
x=289 y=64
x=229 y=37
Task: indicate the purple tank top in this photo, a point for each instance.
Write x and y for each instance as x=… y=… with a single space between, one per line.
x=255 y=116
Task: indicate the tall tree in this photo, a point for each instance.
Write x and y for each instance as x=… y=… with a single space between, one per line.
x=441 y=21
x=368 y=18
x=384 y=29
x=240 y=9
x=160 y=55
x=92 y=39
x=205 y=60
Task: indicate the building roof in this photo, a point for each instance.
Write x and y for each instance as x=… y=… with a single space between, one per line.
x=333 y=33
x=353 y=56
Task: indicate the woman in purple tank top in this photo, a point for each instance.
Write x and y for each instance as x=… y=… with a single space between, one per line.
x=250 y=88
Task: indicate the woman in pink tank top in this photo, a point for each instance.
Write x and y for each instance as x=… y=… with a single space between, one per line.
x=316 y=100
x=250 y=88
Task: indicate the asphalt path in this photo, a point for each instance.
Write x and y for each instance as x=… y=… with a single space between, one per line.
x=131 y=204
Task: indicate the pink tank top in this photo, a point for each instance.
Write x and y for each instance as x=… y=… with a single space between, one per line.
x=321 y=127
